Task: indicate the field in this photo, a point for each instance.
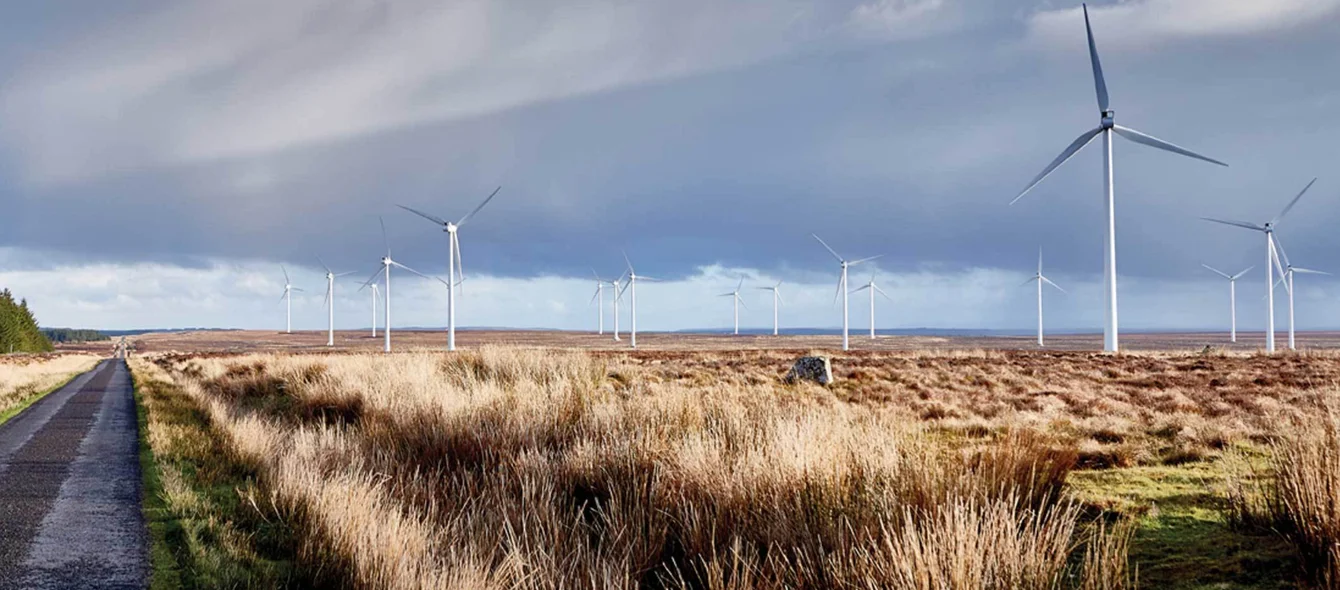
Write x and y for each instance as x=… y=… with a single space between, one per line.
x=529 y=462
x=25 y=378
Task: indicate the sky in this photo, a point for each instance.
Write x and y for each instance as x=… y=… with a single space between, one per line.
x=162 y=161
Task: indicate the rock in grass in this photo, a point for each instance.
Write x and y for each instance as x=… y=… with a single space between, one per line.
x=811 y=368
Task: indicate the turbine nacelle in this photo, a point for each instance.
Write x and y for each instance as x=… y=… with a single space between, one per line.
x=1109 y=119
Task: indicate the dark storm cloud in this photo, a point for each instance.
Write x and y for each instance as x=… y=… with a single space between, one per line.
x=910 y=146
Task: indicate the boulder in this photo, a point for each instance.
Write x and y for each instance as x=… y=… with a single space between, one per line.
x=811 y=368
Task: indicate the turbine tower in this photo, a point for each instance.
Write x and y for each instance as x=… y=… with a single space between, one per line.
x=1232 y=299
x=454 y=265
x=287 y=298
x=387 y=263
x=736 y=303
x=1287 y=279
x=374 y=307
x=1106 y=127
x=618 y=294
x=842 y=285
x=330 y=299
x=776 y=300
x=631 y=288
x=1271 y=259
x=873 y=288
x=1040 y=279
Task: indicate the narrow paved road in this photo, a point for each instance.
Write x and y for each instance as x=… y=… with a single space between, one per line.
x=70 y=488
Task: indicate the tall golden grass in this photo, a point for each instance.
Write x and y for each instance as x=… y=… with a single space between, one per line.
x=1298 y=493
x=22 y=377
x=509 y=468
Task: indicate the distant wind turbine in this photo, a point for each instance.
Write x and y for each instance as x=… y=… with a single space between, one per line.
x=1107 y=126
x=1040 y=279
x=631 y=288
x=1232 y=299
x=287 y=297
x=873 y=288
x=776 y=301
x=599 y=300
x=387 y=263
x=374 y=308
x=1287 y=279
x=1271 y=259
x=617 y=295
x=453 y=261
x=736 y=302
x=842 y=285
x=330 y=299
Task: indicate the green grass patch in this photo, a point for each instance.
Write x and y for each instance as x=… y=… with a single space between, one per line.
x=208 y=525
x=1182 y=540
x=28 y=401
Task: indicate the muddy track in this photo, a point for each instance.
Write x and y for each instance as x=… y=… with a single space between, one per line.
x=70 y=488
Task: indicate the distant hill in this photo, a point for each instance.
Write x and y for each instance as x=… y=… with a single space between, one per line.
x=18 y=327
x=73 y=336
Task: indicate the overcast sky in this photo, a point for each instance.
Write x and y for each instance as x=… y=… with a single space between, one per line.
x=159 y=160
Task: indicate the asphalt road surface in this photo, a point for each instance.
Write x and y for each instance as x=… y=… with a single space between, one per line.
x=70 y=488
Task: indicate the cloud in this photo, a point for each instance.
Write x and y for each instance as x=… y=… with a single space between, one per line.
x=1135 y=24
x=899 y=18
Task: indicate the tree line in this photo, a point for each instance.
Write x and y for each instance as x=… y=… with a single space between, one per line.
x=71 y=335
x=18 y=327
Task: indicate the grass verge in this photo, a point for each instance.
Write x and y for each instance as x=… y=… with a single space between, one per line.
x=209 y=525
x=27 y=402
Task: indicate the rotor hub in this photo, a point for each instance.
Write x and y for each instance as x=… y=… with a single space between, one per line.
x=1109 y=119
x=451 y=228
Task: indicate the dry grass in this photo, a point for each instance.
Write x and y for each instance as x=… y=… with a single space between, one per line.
x=24 y=377
x=543 y=469
x=1298 y=493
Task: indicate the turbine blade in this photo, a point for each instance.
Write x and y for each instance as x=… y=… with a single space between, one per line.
x=741 y=284
x=861 y=289
x=323 y=264
x=1274 y=257
x=1083 y=140
x=856 y=262
x=593 y=298
x=432 y=218
x=779 y=297
x=283 y=295
x=286 y=279
x=373 y=278
x=1152 y=141
x=481 y=206
x=1217 y=271
x=1030 y=280
x=742 y=303
x=830 y=250
x=1279 y=246
x=1049 y=282
x=1039 y=260
x=1292 y=203
x=838 y=292
x=726 y=295
x=881 y=292
x=1100 y=85
x=343 y=274
x=1242 y=224
x=298 y=289
x=385 y=239
x=460 y=266
x=630 y=268
x=1308 y=271
x=327 y=301
x=1239 y=275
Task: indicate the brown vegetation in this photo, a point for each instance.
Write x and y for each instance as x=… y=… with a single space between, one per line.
x=544 y=469
x=25 y=377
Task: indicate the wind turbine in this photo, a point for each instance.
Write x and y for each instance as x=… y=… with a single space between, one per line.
x=1106 y=127
x=1232 y=299
x=736 y=303
x=599 y=299
x=776 y=300
x=1287 y=279
x=873 y=288
x=287 y=297
x=1271 y=258
x=614 y=284
x=842 y=285
x=387 y=263
x=374 y=307
x=330 y=299
x=1040 y=279
x=631 y=288
x=453 y=261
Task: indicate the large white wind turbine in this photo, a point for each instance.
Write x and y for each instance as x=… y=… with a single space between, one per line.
x=776 y=301
x=1271 y=259
x=1106 y=128
x=330 y=299
x=631 y=288
x=287 y=297
x=1287 y=279
x=387 y=263
x=454 y=265
x=736 y=302
x=1040 y=279
x=1232 y=299
x=842 y=285
x=873 y=288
